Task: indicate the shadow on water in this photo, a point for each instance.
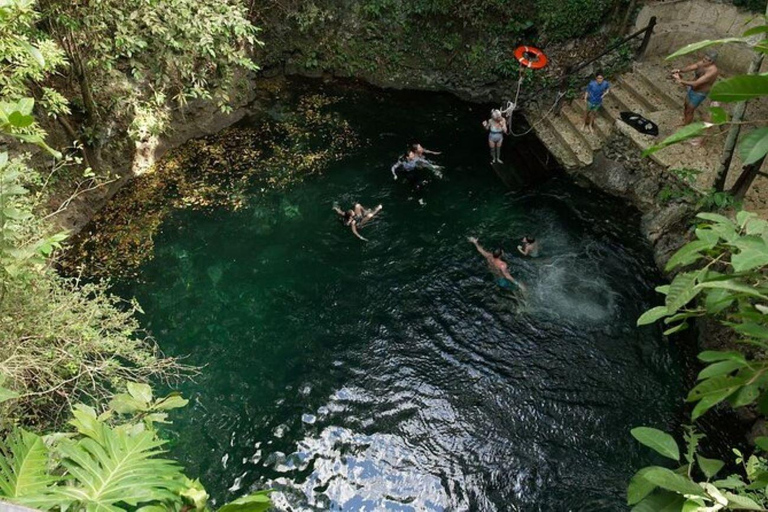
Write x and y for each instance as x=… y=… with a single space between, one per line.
x=395 y=375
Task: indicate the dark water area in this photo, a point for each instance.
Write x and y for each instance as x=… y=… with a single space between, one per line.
x=395 y=374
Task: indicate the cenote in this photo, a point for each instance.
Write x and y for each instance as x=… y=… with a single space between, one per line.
x=395 y=374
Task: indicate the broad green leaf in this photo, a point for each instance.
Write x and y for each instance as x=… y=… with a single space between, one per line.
x=24 y=467
x=681 y=291
x=34 y=52
x=707 y=235
x=762 y=443
x=752 y=329
x=652 y=315
x=123 y=468
x=742 y=216
x=709 y=401
x=693 y=47
x=718 y=115
x=714 y=386
x=638 y=488
x=659 y=441
x=672 y=330
x=688 y=253
x=744 y=396
x=748 y=259
x=757 y=227
x=715 y=217
x=7 y=394
x=19 y=120
x=718 y=300
x=140 y=391
x=732 y=285
x=686 y=132
x=124 y=403
x=710 y=467
x=26 y=105
x=171 y=402
x=736 y=502
x=720 y=368
x=761 y=29
x=663 y=289
x=754 y=146
x=739 y=88
x=671 y=481
x=660 y=501
x=256 y=502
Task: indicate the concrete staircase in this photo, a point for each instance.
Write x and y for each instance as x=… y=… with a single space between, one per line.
x=650 y=91
x=646 y=90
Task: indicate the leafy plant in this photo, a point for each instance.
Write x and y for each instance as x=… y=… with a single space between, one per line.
x=691 y=487
x=106 y=466
x=730 y=286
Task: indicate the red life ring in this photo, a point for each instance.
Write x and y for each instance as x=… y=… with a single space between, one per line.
x=530 y=57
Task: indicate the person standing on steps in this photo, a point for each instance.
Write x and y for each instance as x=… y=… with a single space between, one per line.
x=497 y=265
x=704 y=76
x=496 y=127
x=593 y=97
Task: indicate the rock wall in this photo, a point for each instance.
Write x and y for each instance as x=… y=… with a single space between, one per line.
x=620 y=170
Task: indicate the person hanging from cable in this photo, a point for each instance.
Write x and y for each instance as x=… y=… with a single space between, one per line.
x=496 y=127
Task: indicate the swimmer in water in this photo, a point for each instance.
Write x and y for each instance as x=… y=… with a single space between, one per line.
x=357 y=217
x=416 y=154
x=421 y=150
x=496 y=127
x=529 y=247
x=498 y=266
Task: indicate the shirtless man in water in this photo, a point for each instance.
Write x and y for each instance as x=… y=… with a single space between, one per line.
x=498 y=265
x=704 y=76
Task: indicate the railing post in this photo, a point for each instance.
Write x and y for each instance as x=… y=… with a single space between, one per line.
x=646 y=38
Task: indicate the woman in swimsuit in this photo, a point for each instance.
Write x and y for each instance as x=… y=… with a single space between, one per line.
x=357 y=217
x=497 y=127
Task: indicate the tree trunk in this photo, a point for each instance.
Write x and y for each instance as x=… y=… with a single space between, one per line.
x=733 y=134
x=744 y=181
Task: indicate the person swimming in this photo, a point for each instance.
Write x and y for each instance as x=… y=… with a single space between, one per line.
x=529 y=247
x=407 y=166
x=357 y=217
x=497 y=265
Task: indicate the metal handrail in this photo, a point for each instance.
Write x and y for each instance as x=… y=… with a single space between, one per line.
x=647 y=30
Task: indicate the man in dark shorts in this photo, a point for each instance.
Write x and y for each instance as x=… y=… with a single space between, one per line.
x=704 y=76
x=497 y=265
x=596 y=91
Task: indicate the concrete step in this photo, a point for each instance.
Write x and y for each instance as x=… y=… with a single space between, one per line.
x=580 y=107
x=593 y=141
x=640 y=93
x=561 y=152
x=621 y=100
x=574 y=111
x=571 y=138
x=656 y=78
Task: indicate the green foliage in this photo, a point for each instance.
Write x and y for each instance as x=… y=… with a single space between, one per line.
x=105 y=465
x=29 y=55
x=722 y=277
x=691 y=488
x=568 y=19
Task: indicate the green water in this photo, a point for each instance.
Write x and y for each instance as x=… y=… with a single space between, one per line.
x=394 y=374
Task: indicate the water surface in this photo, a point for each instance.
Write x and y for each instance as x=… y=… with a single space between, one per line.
x=394 y=374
